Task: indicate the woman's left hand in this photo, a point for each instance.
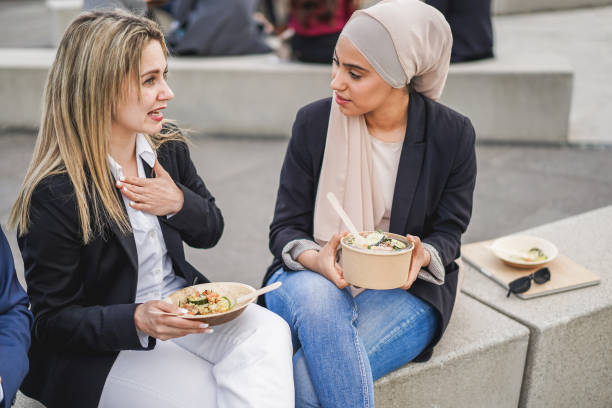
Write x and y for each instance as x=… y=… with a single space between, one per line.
x=420 y=259
x=158 y=196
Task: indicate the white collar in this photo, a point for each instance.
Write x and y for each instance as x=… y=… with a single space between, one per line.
x=143 y=150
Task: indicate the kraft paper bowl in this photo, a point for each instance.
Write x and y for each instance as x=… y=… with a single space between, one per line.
x=373 y=269
x=233 y=290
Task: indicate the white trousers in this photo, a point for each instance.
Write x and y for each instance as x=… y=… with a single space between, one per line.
x=244 y=363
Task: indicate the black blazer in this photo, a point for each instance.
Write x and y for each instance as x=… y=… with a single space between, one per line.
x=82 y=296
x=432 y=198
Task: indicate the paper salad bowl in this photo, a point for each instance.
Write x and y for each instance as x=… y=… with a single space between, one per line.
x=376 y=269
x=233 y=290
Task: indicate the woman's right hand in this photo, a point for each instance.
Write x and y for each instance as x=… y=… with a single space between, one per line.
x=148 y=320
x=324 y=261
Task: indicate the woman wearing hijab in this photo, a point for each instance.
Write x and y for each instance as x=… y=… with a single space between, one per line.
x=398 y=161
x=109 y=199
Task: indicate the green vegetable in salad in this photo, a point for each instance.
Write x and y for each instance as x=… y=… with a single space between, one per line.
x=377 y=240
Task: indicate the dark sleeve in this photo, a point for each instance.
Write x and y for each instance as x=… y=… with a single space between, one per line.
x=454 y=209
x=294 y=210
x=15 y=323
x=51 y=252
x=199 y=222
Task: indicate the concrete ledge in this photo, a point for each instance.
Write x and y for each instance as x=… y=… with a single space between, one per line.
x=499 y=7
x=478 y=363
x=514 y=98
x=508 y=99
x=569 y=363
x=62 y=12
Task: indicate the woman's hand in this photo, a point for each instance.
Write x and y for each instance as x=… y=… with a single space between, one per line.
x=324 y=261
x=420 y=259
x=157 y=196
x=149 y=321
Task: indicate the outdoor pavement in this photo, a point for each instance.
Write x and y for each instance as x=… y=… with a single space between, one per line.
x=518 y=186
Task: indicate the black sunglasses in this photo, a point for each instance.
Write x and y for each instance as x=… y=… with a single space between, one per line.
x=523 y=284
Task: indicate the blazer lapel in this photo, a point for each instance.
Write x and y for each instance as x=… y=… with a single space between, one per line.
x=126 y=239
x=411 y=161
x=147 y=169
x=165 y=228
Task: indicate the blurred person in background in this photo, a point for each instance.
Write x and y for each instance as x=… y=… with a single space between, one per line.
x=110 y=197
x=15 y=322
x=316 y=25
x=159 y=11
x=470 y=23
x=216 y=28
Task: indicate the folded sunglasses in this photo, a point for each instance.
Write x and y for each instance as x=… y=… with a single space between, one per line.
x=523 y=284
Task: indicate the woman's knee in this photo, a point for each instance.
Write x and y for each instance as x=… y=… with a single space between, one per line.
x=312 y=295
x=272 y=333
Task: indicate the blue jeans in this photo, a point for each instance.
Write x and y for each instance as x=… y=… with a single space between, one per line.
x=343 y=344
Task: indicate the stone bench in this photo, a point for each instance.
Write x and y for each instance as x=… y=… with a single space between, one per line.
x=569 y=361
x=511 y=98
x=499 y=7
x=62 y=12
x=478 y=363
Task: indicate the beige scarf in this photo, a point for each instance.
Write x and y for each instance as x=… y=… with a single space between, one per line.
x=422 y=40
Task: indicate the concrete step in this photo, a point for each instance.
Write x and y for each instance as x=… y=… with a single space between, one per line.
x=569 y=361
x=514 y=98
x=500 y=7
x=478 y=363
x=62 y=13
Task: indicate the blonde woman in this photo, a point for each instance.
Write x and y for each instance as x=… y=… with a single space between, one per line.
x=107 y=202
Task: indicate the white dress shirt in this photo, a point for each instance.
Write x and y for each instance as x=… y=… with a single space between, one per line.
x=156 y=278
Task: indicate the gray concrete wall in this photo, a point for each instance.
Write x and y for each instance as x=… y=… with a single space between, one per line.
x=500 y=7
x=508 y=99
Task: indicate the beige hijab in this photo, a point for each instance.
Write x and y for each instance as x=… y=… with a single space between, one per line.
x=422 y=40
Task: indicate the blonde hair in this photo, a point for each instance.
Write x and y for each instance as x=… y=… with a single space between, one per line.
x=98 y=56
